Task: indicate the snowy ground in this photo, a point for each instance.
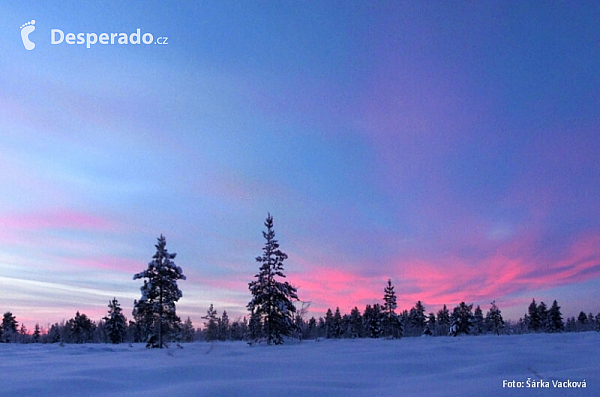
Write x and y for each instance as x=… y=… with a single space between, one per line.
x=463 y=366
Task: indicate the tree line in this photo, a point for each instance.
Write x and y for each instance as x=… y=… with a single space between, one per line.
x=273 y=315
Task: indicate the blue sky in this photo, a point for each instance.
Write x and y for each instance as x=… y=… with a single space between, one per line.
x=452 y=147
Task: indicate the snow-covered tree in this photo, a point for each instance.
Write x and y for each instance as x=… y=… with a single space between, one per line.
x=156 y=308
x=555 y=321
x=416 y=319
x=9 y=328
x=211 y=325
x=188 y=333
x=493 y=319
x=443 y=321
x=223 y=326
x=372 y=318
x=430 y=325
x=79 y=329
x=271 y=298
x=115 y=322
x=461 y=319
x=337 y=329
x=355 y=323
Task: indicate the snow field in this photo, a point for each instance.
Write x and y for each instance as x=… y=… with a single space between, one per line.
x=443 y=366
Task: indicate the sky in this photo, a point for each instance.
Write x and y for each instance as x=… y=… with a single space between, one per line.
x=451 y=147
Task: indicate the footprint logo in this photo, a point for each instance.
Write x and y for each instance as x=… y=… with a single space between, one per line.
x=25 y=30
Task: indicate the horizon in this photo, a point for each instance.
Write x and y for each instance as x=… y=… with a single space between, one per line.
x=452 y=148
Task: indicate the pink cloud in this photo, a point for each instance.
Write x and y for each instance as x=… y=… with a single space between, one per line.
x=501 y=276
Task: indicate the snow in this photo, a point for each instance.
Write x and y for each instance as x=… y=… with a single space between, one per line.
x=441 y=366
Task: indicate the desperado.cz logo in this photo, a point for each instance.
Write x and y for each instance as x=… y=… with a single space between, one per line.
x=57 y=36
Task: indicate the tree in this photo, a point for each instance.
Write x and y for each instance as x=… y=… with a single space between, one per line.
x=115 y=322
x=392 y=327
x=555 y=322
x=188 y=332
x=532 y=318
x=478 y=321
x=443 y=321
x=156 y=308
x=37 y=332
x=223 y=325
x=355 y=323
x=416 y=319
x=462 y=319
x=493 y=319
x=9 y=328
x=211 y=326
x=372 y=318
x=271 y=298
x=336 y=324
x=79 y=329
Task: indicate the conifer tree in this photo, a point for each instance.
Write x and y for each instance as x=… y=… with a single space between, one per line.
x=478 y=321
x=329 y=324
x=533 y=317
x=443 y=321
x=355 y=323
x=555 y=321
x=188 y=332
x=115 y=322
x=494 y=319
x=79 y=329
x=156 y=309
x=392 y=325
x=461 y=319
x=224 y=329
x=416 y=319
x=37 y=332
x=271 y=298
x=211 y=325
x=9 y=328
x=372 y=318
x=336 y=324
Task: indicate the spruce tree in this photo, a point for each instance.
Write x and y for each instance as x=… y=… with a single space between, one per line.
x=9 y=328
x=416 y=319
x=37 y=332
x=355 y=323
x=188 y=333
x=372 y=318
x=211 y=325
x=555 y=321
x=493 y=319
x=79 y=329
x=462 y=319
x=443 y=321
x=533 y=317
x=271 y=298
x=478 y=321
x=392 y=326
x=329 y=324
x=336 y=324
x=115 y=322
x=224 y=329
x=156 y=309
